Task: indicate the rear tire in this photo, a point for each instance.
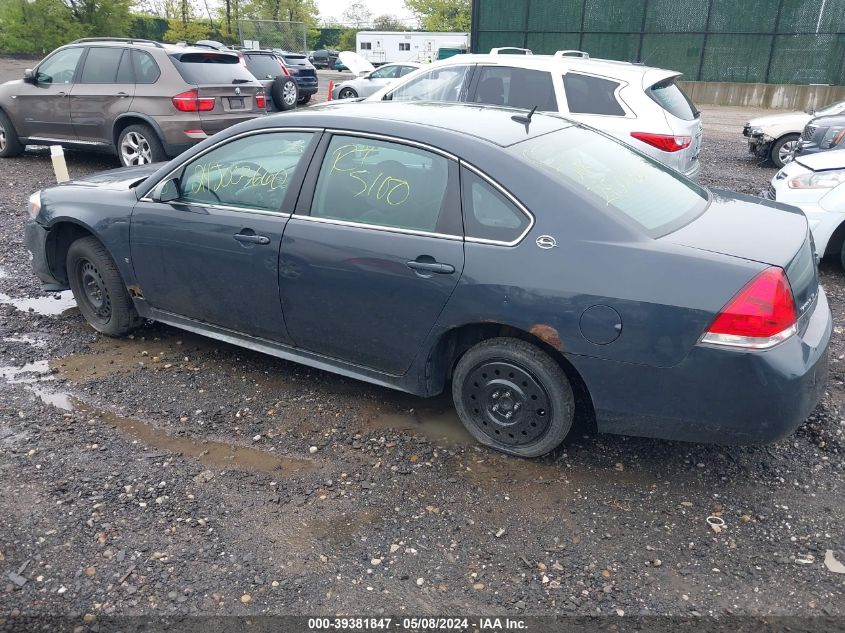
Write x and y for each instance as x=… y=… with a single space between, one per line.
x=99 y=289
x=285 y=93
x=139 y=145
x=10 y=144
x=783 y=149
x=842 y=256
x=512 y=396
x=347 y=93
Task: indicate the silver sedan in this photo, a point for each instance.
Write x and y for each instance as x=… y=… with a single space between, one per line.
x=367 y=84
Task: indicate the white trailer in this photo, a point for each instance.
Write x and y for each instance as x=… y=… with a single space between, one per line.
x=382 y=47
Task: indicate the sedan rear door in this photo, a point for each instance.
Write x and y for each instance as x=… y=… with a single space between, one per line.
x=373 y=253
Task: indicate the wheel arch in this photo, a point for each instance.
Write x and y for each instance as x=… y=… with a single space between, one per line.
x=63 y=233
x=455 y=342
x=133 y=118
x=836 y=241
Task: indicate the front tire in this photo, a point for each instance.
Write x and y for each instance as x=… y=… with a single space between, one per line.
x=10 y=145
x=783 y=149
x=512 y=396
x=99 y=289
x=139 y=145
x=347 y=93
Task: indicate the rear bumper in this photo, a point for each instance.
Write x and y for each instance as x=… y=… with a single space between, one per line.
x=716 y=395
x=35 y=238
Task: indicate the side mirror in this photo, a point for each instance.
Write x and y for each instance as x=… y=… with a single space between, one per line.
x=29 y=76
x=166 y=191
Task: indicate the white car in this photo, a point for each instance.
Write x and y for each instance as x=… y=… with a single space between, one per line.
x=776 y=136
x=816 y=184
x=368 y=78
x=639 y=105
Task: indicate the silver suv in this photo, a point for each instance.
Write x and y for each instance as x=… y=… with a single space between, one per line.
x=641 y=106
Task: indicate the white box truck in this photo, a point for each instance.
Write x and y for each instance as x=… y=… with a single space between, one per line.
x=382 y=47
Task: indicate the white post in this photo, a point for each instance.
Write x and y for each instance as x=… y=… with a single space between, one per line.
x=59 y=165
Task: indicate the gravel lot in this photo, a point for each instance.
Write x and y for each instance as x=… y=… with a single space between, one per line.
x=170 y=474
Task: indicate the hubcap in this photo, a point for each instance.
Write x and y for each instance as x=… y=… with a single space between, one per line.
x=507 y=403
x=289 y=92
x=135 y=150
x=787 y=151
x=94 y=288
x=346 y=94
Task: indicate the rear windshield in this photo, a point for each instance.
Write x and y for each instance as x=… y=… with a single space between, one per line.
x=211 y=68
x=263 y=66
x=295 y=60
x=656 y=198
x=671 y=98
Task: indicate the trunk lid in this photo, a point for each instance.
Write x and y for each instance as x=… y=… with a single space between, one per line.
x=761 y=231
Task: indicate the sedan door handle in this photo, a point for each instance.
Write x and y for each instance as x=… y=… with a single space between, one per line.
x=431 y=267
x=252 y=239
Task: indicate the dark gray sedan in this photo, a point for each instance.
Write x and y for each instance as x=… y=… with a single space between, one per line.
x=542 y=269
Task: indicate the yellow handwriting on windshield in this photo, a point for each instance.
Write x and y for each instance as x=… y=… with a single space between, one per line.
x=394 y=191
x=218 y=177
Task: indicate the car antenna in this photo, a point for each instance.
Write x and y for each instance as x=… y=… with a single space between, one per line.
x=524 y=119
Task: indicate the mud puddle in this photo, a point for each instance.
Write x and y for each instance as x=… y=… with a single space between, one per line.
x=435 y=420
x=51 y=305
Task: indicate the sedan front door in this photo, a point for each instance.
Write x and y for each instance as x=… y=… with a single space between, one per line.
x=371 y=258
x=211 y=253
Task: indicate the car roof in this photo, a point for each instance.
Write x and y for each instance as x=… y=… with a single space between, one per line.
x=559 y=63
x=493 y=124
x=150 y=45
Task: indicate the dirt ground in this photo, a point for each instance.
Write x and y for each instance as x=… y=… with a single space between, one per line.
x=170 y=474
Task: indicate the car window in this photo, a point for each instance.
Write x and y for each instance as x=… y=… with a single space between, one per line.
x=669 y=96
x=592 y=95
x=124 y=69
x=263 y=66
x=250 y=172
x=617 y=178
x=211 y=68
x=100 y=65
x=385 y=72
x=146 y=68
x=516 y=87
x=387 y=184
x=405 y=70
x=439 y=84
x=488 y=214
x=60 y=68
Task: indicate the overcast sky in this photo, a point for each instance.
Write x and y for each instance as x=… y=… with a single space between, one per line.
x=335 y=8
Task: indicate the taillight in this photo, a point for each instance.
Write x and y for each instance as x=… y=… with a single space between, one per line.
x=664 y=142
x=261 y=100
x=284 y=69
x=760 y=316
x=190 y=101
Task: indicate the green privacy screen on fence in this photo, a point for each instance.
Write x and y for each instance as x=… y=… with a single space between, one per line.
x=769 y=41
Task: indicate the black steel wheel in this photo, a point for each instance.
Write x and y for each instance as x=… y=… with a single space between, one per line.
x=513 y=397
x=99 y=289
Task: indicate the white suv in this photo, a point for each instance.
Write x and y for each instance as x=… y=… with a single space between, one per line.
x=639 y=105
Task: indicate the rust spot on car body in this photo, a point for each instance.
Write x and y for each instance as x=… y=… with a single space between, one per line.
x=547 y=334
x=135 y=291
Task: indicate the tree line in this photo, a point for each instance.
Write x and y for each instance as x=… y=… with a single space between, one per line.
x=39 y=26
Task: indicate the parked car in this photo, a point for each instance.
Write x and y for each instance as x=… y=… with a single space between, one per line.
x=816 y=184
x=369 y=79
x=303 y=72
x=269 y=68
x=821 y=135
x=775 y=137
x=323 y=58
x=142 y=100
x=339 y=65
x=641 y=106
x=417 y=246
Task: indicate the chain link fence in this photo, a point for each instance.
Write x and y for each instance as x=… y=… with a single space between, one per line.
x=289 y=36
x=767 y=41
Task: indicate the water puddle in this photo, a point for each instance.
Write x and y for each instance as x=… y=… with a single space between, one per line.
x=28 y=373
x=51 y=305
x=26 y=340
x=436 y=420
